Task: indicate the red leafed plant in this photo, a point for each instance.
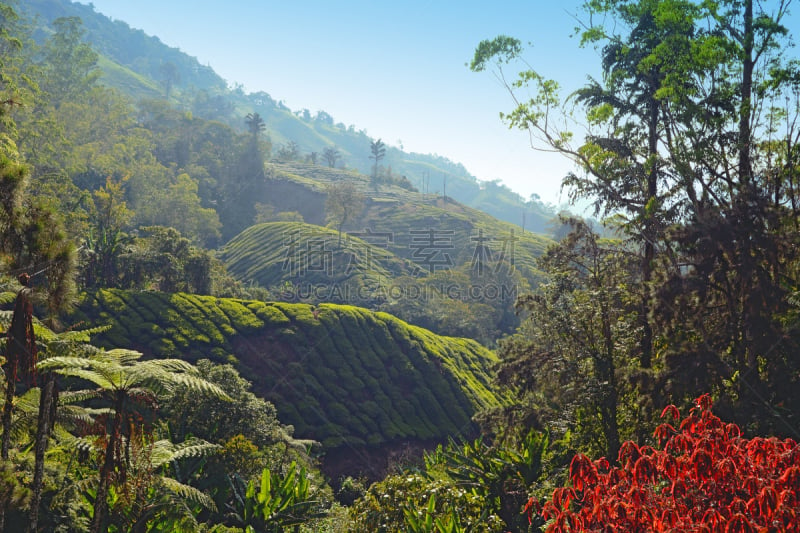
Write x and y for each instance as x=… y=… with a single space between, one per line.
x=705 y=478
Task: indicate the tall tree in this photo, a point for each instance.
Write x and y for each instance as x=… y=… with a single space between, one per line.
x=634 y=178
x=738 y=244
x=20 y=355
x=378 y=151
x=73 y=344
x=255 y=124
x=672 y=144
x=244 y=185
x=31 y=234
x=107 y=239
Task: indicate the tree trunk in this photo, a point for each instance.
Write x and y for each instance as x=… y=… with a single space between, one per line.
x=8 y=407
x=743 y=348
x=109 y=464
x=646 y=340
x=44 y=423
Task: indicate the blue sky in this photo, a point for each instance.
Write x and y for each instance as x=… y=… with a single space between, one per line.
x=394 y=69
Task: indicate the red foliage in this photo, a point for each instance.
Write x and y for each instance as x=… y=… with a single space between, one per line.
x=705 y=478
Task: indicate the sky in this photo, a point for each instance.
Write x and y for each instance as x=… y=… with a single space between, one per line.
x=395 y=69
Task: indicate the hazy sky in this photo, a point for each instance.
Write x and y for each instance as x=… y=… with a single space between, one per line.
x=395 y=69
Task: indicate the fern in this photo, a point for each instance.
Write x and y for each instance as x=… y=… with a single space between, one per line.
x=189 y=493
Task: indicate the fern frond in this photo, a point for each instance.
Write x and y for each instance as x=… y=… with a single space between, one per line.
x=164 y=451
x=195 y=448
x=69 y=397
x=82 y=444
x=201 y=385
x=121 y=355
x=7 y=297
x=28 y=402
x=83 y=335
x=189 y=493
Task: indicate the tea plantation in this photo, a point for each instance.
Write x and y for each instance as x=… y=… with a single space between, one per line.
x=342 y=375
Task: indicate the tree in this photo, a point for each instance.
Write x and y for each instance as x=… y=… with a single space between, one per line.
x=20 y=355
x=69 y=64
x=241 y=178
x=128 y=384
x=150 y=497
x=739 y=241
x=14 y=87
x=674 y=151
x=180 y=207
x=31 y=234
x=378 y=150
x=216 y=420
x=162 y=259
x=170 y=75
x=72 y=344
x=342 y=203
x=331 y=155
x=107 y=240
x=289 y=152
x=636 y=183
x=573 y=359
x=255 y=124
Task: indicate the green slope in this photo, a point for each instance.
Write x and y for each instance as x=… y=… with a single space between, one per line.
x=404 y=221
x=340 y=374
x=310 y=256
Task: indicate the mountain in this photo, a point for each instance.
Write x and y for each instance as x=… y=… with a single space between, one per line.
x=145 y=68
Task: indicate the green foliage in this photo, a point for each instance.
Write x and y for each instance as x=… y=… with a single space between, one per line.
x=406 y=501
x=573 y=360
x=501 y=49
x=218 y=420
x=500 y=475
x=277 y=502
x=32 y=239
x=69 y=63
x=684 y=150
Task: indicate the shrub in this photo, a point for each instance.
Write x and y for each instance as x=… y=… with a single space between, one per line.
x=707 y=477
x=385 y=505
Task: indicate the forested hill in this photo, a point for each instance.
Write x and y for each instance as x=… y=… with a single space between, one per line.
x=144 y=68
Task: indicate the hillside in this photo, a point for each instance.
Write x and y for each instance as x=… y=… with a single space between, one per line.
x=342 y=375
x=398 y=215
x=431 y=261
x=274 y=253
x=134 y=63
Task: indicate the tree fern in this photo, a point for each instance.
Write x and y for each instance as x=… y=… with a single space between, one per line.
x=128 y=384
